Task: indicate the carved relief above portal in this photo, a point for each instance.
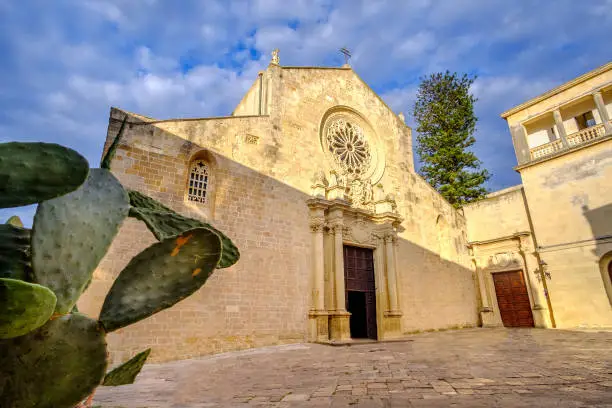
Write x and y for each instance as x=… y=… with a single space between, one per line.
x=360 y=194
x=359 y=231
x=504 y=260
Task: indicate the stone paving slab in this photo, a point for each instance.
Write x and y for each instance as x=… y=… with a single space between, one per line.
x=465 y=368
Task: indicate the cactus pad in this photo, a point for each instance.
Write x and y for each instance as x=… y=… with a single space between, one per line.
x=55 y=366
x=15 y=221
x=126 y=373
x=165 y=223
x=25 y=307
x=139 y=200
x=34 y=172
x=15 y=252
x=71 y=234
x=160 y=276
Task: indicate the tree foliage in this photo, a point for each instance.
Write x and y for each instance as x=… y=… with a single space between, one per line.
x=444 y=113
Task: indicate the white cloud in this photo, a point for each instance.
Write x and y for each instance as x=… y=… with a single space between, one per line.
x=414 y=46
x=66 y=62
x=106 y=9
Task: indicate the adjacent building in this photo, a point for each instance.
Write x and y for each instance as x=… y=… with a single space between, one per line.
x=543 y=249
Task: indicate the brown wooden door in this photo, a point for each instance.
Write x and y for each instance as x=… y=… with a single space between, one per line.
x=360 y=291
x=513 y=299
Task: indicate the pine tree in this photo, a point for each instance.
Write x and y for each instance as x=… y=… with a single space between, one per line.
x=444 y=113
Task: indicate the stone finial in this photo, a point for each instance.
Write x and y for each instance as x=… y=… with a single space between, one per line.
x=336 y=189
x=402 y=117
x=333 y=178
x=379 y=193
x=319 y=178
x=391 y=200
x=275 y=57
x=319 y=184
x=383 y=203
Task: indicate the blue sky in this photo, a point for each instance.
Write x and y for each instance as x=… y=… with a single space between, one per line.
x=65 y=62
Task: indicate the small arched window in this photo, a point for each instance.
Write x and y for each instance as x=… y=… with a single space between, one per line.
x=199 y=180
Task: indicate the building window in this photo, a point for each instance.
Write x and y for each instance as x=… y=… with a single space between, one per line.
x=586 y=120
x=349 y=147
x=199 y=180
x=552 y=134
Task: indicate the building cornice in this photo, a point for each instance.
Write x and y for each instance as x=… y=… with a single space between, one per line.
x=499 y=239
x=559 y=89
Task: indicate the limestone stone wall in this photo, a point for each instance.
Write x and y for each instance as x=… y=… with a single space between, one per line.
x=253 y=102
x=500 y=214
x=262 y=172
x=569 y=198
x=502 y=240
x=261 y=300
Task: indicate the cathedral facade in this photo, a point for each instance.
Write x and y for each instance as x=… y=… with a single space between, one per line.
x=312 y=177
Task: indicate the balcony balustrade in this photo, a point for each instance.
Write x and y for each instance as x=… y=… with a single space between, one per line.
x=575 y=139
x=585 y=135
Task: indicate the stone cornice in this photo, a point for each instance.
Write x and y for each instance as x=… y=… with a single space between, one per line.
x=559 y=89
x=499 y=239
x=344 y=206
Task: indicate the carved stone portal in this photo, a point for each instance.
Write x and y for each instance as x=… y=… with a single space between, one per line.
x=335 y=224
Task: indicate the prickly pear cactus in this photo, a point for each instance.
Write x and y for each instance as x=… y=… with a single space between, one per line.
x=34 y=172
x=161 y=276
x=82 y=225
x=165 y=223
x=15 y=221
x=25 y=307
x=15 y=252
x=50 y=355
x=55 y=366
x=126 y=373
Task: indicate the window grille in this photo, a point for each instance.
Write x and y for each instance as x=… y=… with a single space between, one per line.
x=198 y=181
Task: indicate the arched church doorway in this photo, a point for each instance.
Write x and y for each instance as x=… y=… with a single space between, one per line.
x=360 y=291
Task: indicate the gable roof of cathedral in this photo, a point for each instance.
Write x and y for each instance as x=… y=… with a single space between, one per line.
x=344 y=67
x=151 y=120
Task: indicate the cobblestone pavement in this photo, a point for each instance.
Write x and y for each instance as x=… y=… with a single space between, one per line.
x=466 y=368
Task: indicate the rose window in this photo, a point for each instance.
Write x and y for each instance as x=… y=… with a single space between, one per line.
x=349 y=147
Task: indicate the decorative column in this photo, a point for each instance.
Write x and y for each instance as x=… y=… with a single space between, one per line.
x=317 y=315
x=339 y=322
x=603 y=112
x=318 y=265
x=540 y=312
x=393 y=315
x=560 y=127
x=487 y=314
x=391 y=272
x=519 y=140
x=261 y=88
